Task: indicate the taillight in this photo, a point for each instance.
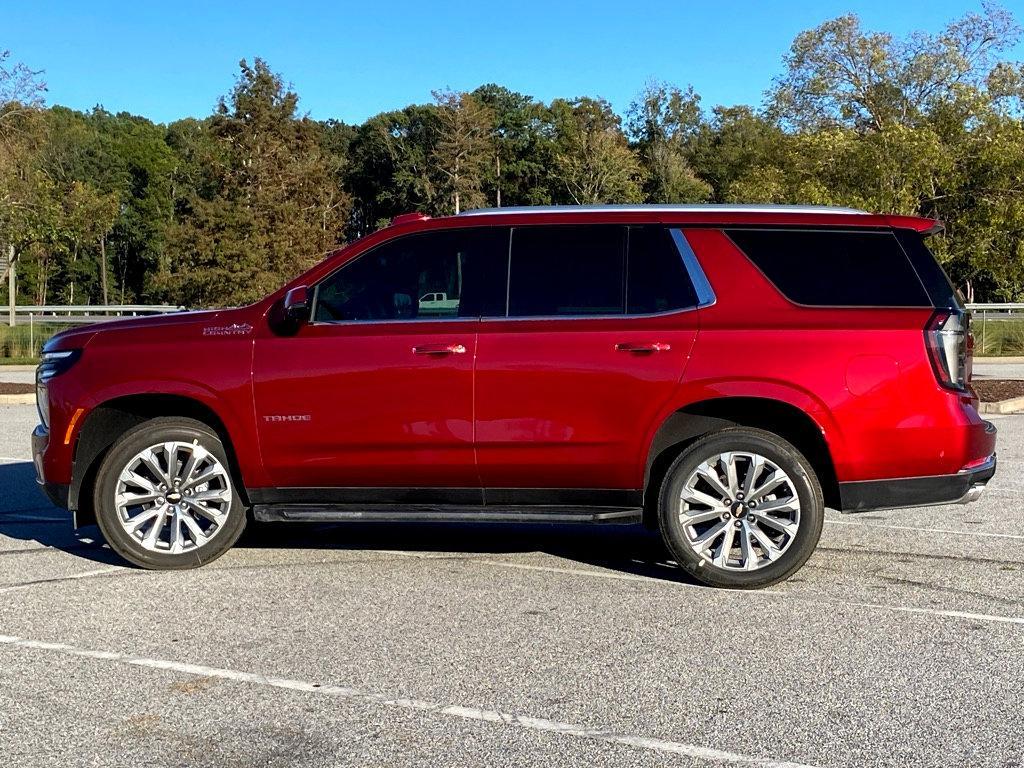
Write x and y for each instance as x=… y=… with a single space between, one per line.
x=947 y=337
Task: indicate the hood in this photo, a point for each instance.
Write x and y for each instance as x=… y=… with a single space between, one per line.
x=78 y=338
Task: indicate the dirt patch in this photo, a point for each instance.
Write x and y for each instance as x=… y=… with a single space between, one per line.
x=994 y=390
x=6 y=388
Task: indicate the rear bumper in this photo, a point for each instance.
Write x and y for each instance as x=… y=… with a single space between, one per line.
x=963 y=487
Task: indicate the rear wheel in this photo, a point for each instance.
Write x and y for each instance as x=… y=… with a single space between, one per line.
x=741 y=508
x=165 y=497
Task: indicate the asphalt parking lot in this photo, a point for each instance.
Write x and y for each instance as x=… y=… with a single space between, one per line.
x=901 y=643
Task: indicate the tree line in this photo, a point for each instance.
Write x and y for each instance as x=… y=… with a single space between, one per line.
x=113 y=208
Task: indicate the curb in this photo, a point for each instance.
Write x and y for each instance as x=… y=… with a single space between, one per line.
x=1009 y=360
x=1013 y=405
x=27 y=399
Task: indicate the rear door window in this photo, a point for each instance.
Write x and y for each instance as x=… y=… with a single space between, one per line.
x=656 y=279
x=834 y=268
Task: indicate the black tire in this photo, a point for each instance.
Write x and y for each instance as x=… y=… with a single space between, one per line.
x=805 y=485
x=152 y=433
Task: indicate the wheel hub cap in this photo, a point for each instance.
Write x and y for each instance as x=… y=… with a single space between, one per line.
x=173 y=497
x=739 y=511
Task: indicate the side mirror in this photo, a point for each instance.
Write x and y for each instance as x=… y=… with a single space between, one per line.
x=297 y=304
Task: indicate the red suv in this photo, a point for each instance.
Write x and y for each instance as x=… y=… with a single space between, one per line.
x=722 y=373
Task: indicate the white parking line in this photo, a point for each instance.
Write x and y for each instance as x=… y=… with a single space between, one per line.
x=917 y=529
x=938 y=612
x=83 y=575
x=467 y=713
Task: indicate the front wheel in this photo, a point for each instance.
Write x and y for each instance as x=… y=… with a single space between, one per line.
x=741 y=508
x=164 y=495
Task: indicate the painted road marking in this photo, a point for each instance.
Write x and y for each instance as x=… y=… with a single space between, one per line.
x=1014 y=536
x=467 y=713
x=72 y=577
x=966 y=615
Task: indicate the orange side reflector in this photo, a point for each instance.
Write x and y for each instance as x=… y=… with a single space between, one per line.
x=71 y=425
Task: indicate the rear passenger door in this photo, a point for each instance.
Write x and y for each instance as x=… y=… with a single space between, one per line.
x=595 y=337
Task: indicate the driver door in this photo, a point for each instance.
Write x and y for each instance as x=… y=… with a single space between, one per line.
x=376 y=390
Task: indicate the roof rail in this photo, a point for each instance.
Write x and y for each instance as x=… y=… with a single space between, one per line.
x=654 y=208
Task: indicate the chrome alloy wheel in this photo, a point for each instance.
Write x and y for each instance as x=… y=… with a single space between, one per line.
x=173 y=497
x=739 y=511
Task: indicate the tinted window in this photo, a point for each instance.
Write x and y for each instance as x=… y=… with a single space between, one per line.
x=567 y=270
x=932 y=275
x=456 y=273
x=657 y=280
x=841 y=269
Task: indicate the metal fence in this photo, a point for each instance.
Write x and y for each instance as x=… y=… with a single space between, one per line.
x=81 y=313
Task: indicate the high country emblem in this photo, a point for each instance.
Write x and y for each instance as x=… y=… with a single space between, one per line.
x=235 y=329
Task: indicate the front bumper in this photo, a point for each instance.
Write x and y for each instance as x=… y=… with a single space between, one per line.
x=963 y=487
x=57 y=493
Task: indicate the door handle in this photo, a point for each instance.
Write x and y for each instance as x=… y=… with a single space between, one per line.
x=440 y=349
x=646 y=348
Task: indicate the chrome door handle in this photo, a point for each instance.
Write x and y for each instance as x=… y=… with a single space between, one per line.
x=440 y=349
x=648 y=348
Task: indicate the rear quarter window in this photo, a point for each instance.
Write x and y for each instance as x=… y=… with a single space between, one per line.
x=834 y=268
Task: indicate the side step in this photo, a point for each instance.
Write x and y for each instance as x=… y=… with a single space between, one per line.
x=443 y=513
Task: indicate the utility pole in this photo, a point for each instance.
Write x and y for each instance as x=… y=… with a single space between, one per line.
x=10 y=285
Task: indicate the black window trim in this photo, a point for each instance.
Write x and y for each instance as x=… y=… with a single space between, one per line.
x=704 y=292
x=891 y=231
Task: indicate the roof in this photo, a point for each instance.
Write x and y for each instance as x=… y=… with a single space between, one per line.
x=675 y=215
x=655 y=208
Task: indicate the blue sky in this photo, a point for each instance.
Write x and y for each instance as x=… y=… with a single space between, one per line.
x=353 y=60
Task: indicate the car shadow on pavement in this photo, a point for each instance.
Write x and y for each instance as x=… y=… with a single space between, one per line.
x=27 y=515
x=629 y=549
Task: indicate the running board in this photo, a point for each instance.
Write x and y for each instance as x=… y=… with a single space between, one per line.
x=443 y=513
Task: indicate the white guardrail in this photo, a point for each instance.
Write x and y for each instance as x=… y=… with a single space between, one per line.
x=81 y=313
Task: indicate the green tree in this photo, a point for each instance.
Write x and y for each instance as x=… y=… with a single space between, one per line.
x=462 y=150
x=663 y=122
x=592 y=159
x=267 y=204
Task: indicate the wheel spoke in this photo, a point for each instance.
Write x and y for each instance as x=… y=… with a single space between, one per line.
x=196 y=455
x=699 y=497
x=214 y=494
x=214 y=516
x=730 y=474
x=128 y=477
x=205 y=477
x=725 y=548
x=153 y=534
x=775 y=479
x=785 y=526
x=132 y=499
x=790 y=504
x=696 y=517
x=771 y=551
x=747 y=549
x=710 y=475
x=149 y=459
x=754 y=468
x=171 y=450
x=142 y=518
x=706 y=539
x=198 y=536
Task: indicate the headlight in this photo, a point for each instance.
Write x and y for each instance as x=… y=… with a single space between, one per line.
x=52 y=364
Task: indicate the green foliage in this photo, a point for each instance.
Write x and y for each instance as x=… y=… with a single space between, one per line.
x=221 y=209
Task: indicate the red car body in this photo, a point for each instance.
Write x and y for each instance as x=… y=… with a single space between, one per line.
x=532 y=404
